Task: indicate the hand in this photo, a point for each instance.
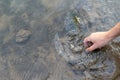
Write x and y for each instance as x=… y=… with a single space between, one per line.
x=99 y=39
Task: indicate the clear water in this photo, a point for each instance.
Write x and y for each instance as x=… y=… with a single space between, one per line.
x=37 y=58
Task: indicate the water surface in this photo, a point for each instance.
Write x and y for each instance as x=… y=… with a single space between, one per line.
x=36 y=58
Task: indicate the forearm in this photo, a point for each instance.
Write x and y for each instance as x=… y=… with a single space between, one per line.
x=114 y=32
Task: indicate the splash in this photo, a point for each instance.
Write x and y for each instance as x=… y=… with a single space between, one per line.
x=95 y=65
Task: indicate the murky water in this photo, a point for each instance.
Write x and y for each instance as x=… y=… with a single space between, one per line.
x=27 y=36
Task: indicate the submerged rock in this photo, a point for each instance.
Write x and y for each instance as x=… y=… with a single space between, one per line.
x=23 y=35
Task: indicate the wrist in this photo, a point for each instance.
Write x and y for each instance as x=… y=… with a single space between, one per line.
x=110 y=36
x=114 y=32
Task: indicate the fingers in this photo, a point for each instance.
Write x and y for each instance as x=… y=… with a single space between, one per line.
x=89 y=44
x=93 y=47
x=86 y=40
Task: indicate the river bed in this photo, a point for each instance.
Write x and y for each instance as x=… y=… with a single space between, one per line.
x=28 y=29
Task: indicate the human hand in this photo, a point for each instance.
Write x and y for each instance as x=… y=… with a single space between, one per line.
x=98 y=40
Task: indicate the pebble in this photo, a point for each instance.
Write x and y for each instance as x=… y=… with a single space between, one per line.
x=75 y=48
x=22 y=35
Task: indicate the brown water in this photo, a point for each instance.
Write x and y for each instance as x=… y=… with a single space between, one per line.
x=31 y=55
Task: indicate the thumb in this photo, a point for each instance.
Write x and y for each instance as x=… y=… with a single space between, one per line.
x=91 y=48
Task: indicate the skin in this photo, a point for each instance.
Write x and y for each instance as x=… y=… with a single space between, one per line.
x=100 y=39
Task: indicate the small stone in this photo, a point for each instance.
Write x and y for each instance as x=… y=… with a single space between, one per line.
x=76 y=49
x=23 y=35
x=72 y=46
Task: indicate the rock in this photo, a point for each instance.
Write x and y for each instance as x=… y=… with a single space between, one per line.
x=23 y=35
x=77 y=49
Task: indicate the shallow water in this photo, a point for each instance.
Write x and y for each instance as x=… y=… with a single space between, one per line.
x=34 y=56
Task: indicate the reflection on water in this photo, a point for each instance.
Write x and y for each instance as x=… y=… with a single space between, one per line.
x=36 y=57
